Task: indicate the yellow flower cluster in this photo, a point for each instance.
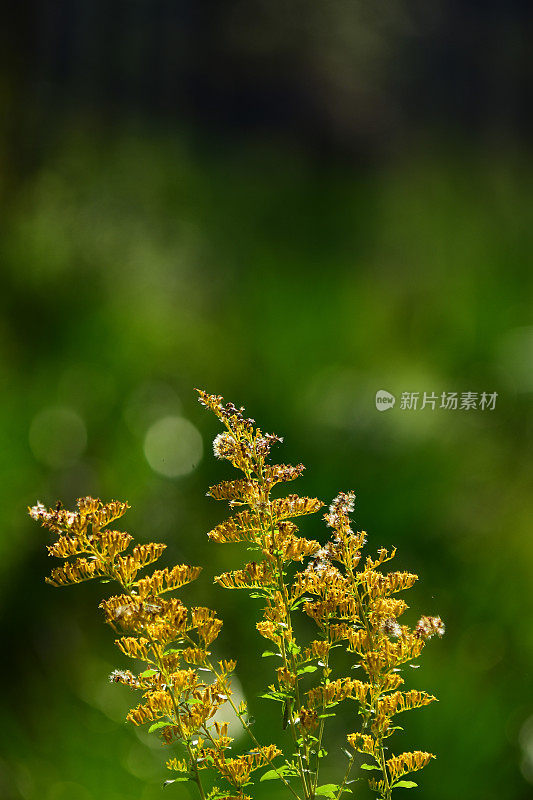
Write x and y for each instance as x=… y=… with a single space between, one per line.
x=352 y=602
x=170 y=640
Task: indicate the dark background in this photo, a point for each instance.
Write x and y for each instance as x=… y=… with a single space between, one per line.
x=295 y=205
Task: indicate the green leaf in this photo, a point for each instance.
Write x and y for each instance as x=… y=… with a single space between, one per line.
x=405 y=785
x=298 y=603
x=278 y=697
x=175 y=780
x=327 y=790
x=148 y=673
x=157 y=725
x=309 y=668
x=324 y=716
x=273 y=774
x=370 y=766
x=268 y=653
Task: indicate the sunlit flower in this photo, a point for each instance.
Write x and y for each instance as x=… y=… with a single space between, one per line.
x=224 y=446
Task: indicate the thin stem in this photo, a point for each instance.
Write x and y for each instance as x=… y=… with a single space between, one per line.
x=326 y=672
x=366 y=720
x=283 y=590
x=182 y=732
x=162 y=670
x=374 y=696
x=383 y=765
x=346 y=776
x=253 y=738
x=258 y=469
x=155 y=649
x=244 y=724
x=291 y=665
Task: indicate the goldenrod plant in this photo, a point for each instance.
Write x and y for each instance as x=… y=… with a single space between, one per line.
x=185 y=692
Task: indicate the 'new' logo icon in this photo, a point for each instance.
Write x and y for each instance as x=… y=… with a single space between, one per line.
x=384 y=400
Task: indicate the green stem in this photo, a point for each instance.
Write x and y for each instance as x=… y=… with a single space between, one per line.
x=346 y=776
x=292 y=665
x=366 y=720
x=326 y=672
x=127 y=589
x=383 y=765
x=258 y=469
x=244 y=724
x=182 y=732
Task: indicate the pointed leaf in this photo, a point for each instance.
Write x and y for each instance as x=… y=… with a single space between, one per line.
x=157 y=725
x=327 y=790
x=148 y=673
x=274 y=774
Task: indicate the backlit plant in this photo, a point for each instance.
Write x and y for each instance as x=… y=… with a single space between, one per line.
x=185 y=693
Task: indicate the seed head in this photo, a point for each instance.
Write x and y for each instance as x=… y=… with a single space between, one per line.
x=428 y=627
x=391 y=627
x=224 y=446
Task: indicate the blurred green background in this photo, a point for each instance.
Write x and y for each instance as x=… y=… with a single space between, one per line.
x=295 y=206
